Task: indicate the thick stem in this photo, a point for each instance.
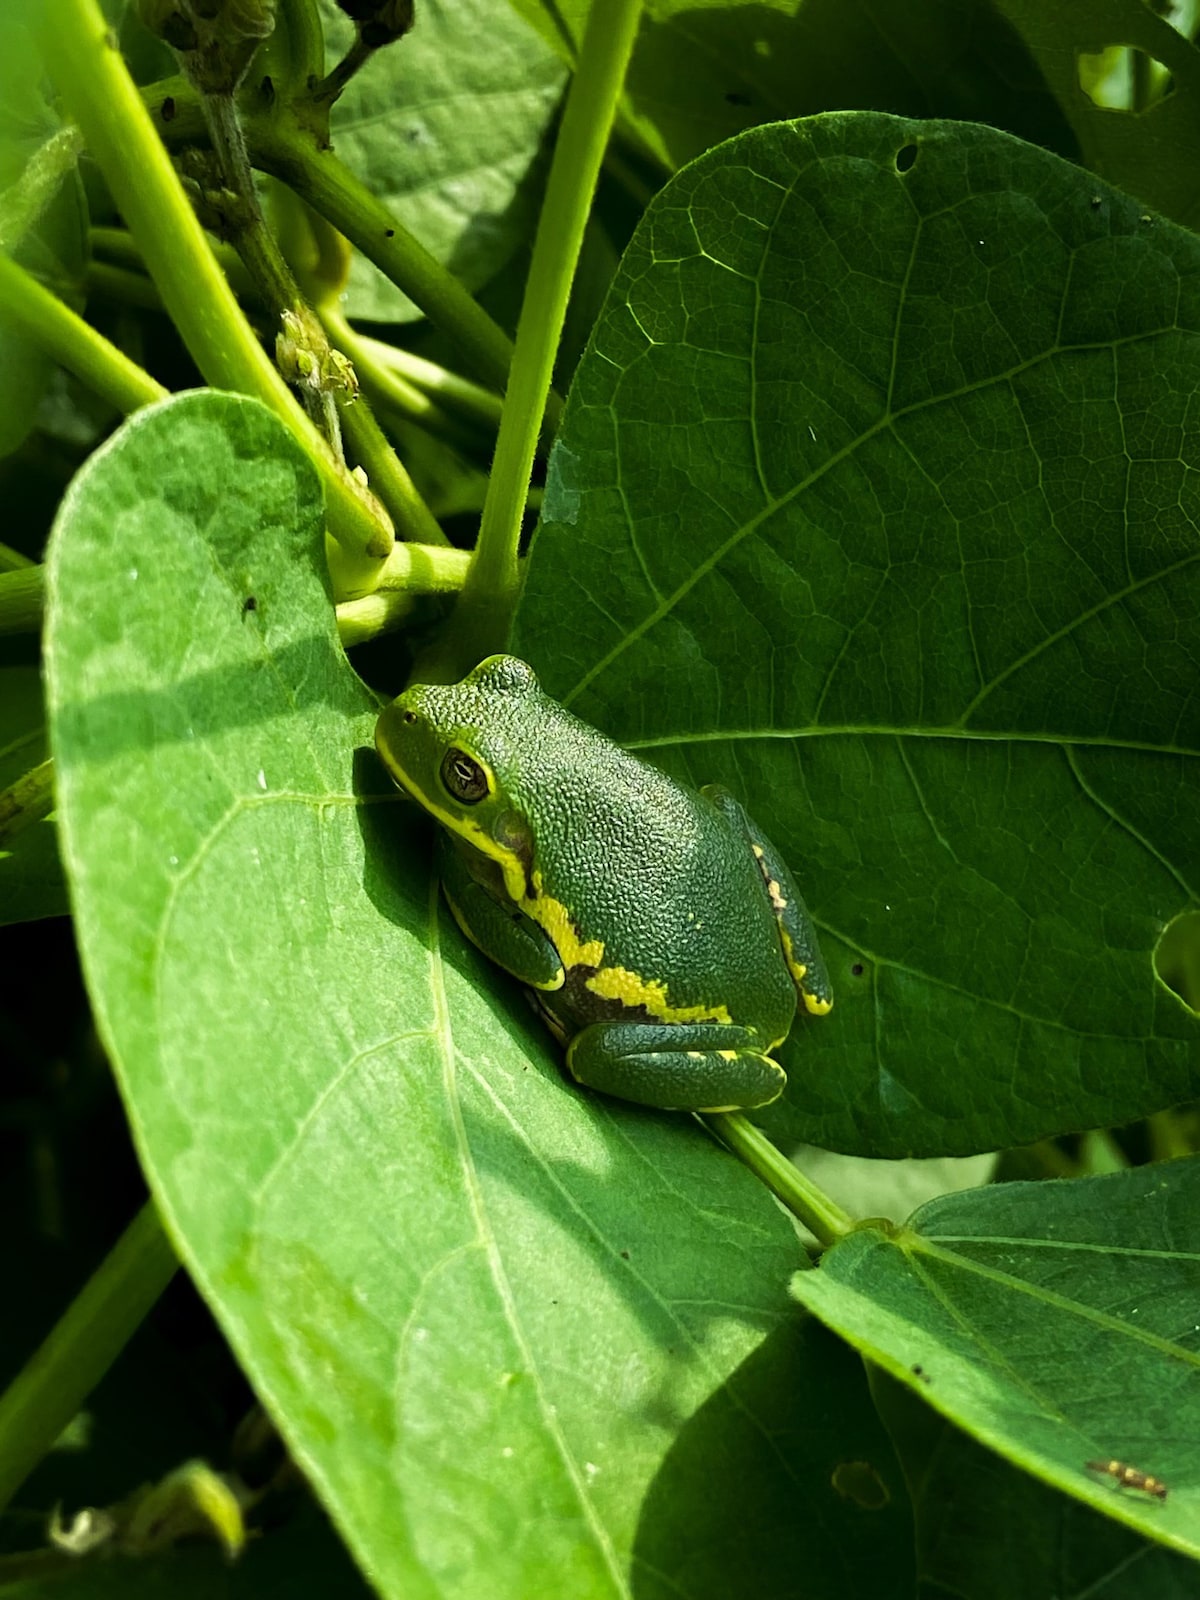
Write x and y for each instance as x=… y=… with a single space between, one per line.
x=318 y=177
x=389 y=479
x=819 y=1214
x=298 y=45
x=362 y=620
x=411 y=569
x=486 y=608
x=79 y=51
x=267 y=267
x=70 y=341
x=54 y=1383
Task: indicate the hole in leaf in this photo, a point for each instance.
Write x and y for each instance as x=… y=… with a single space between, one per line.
x=857 y=969
x=906 y=157
x=1121 y=78
x=1177 y=958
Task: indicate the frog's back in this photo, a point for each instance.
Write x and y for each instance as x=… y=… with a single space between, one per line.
x=655 y=874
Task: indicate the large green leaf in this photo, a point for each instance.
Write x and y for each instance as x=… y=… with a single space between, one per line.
x=444 y=127
x=704 y=70
x=875 y=500
x=1056 y=1322
x=483 y=1306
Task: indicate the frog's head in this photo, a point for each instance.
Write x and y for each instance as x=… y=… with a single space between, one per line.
x=457 y=749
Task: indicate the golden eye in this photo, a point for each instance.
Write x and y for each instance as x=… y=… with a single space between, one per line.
x=464 y=778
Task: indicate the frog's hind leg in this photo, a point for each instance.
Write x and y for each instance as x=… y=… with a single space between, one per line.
x=796 y=931
x=674 y=1066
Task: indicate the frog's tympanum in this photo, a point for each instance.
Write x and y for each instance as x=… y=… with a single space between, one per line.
x=661 y=935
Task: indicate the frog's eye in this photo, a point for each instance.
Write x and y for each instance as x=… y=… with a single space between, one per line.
x=464 y=777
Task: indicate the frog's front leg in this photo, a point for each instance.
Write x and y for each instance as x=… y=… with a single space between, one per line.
x=677 y=1066
x=504 y=934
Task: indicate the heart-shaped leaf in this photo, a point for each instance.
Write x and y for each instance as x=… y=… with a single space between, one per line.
x=482 y=1305
x=875 y=501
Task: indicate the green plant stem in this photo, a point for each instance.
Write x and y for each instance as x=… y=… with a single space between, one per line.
x=483 y=616
x=298 y=45
x=280 y=146
x=477 y=404
x=12 y=560
x=330 y=88
x=123 y=287
x=822 y=1216
x=1172 y=1134
x=390 y=386
x=265 y=263
x=425 y=569
x=117 y=247
x=100 y=94
x=69 y=340
x=28 y=800
x=22 y=599
x=387 y=476
x=318 y=177
x=1100 y=1152
x=359 y=621
x=54 y=1383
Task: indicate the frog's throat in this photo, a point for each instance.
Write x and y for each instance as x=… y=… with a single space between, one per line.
x=556 y=921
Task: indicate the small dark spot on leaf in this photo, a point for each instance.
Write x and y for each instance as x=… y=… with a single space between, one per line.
x=267 y=89
x=624 y=1255
x=857 y=969
x=906 y=157
x=389 y=233
x=167 y=109
x=250 y=603
x=738 y=97
x=919 y=1372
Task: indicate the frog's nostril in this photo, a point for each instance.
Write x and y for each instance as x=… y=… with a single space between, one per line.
x=410 y=716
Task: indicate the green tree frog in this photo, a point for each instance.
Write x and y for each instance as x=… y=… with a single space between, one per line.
x=661 y=936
